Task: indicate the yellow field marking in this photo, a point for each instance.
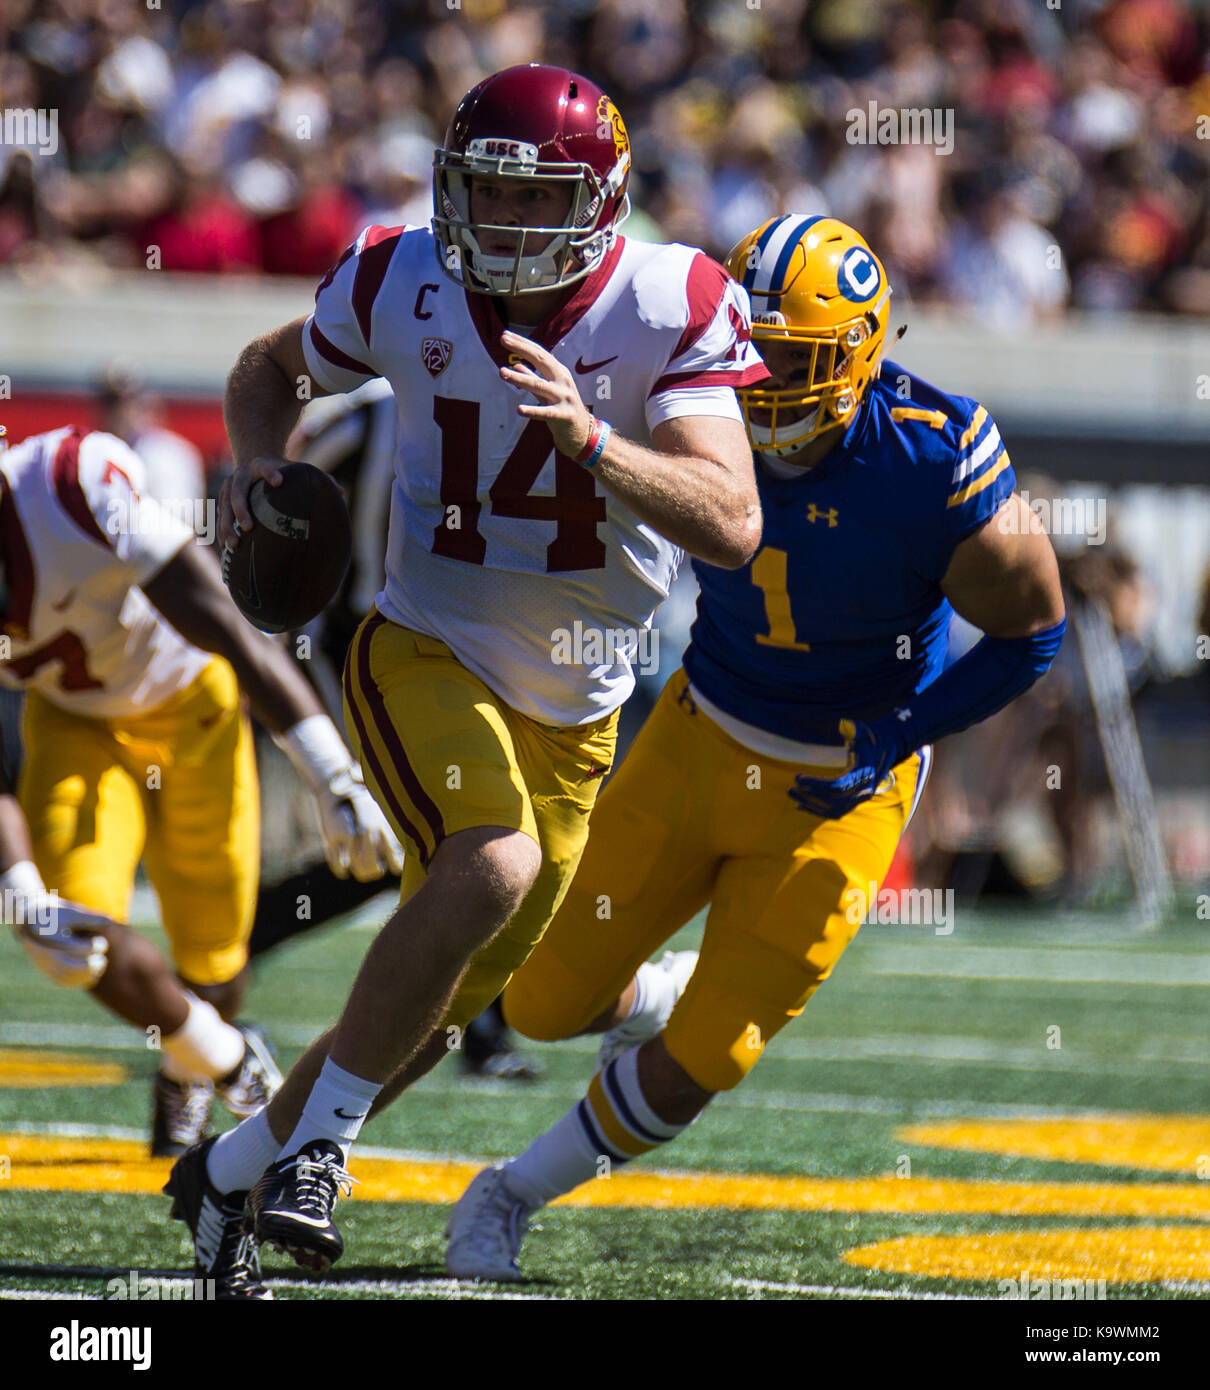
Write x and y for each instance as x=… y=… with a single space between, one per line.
x=116 y=1165
x=20 y=1067
x=1171 y=1143
x=1126 y=1255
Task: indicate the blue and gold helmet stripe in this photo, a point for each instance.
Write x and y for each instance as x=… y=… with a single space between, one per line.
x=777 y=246
x=753 y=268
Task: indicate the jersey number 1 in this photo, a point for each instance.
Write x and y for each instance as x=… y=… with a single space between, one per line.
x=575 y=507
x=769 y=576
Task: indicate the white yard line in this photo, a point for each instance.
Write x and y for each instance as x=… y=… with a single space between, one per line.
x=759 y=1286
x=1056 y=965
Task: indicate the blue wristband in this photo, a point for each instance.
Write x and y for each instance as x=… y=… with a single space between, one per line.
x=602 y=439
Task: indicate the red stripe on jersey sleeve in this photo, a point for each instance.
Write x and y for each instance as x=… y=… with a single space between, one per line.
x=331 y=275
x=331 y=353
x=65 y=472
x=705 y=288
x=372 y=262
x=677 y=381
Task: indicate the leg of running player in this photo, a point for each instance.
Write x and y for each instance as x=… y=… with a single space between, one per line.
x=227 y=998
x=86 y=824
x=476 y=882
x=780 y=918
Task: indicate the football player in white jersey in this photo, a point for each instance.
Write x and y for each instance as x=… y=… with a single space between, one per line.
x=567 y=428
x=132 y=657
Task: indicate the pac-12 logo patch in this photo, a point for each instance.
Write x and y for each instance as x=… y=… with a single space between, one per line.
x=435 y=353
x=858 y=276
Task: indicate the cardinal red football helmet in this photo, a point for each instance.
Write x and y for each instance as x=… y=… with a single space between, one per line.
x=532 y=122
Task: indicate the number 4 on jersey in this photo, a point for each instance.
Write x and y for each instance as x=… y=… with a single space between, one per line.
x=575 y=507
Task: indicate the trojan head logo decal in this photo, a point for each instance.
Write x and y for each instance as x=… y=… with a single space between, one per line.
x=610 y=126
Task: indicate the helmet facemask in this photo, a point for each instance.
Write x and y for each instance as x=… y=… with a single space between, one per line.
x=837 y=373
x=574 y=248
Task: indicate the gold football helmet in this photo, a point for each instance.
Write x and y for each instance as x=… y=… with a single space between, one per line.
x=811 y=281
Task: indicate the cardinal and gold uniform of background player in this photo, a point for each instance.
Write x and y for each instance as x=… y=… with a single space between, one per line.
x=136 y=744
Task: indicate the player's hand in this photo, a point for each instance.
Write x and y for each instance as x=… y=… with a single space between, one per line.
x=872 y=754
x=357 y=837
x=234 y=518
x=64 y=940
x=559 y=404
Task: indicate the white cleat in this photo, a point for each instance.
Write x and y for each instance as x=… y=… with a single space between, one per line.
x=485 y=1230
x=678 y=966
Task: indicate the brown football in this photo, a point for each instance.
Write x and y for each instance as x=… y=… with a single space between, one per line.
x=288 y=568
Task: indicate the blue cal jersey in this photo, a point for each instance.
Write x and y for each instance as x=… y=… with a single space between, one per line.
x=840 y=613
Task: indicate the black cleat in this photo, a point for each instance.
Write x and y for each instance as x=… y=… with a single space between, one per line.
x=223 y=1252
x=180 y=1115
x=254 y=1083
x=290 y=1208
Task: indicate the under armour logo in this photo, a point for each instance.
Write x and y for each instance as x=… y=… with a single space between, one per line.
x=903 y=715
x=831 y=516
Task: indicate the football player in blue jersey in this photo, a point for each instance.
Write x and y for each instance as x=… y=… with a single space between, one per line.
x=780 y=767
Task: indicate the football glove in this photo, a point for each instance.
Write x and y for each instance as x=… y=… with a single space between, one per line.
x=873 y=751
x=357 y=836
x=63 y=939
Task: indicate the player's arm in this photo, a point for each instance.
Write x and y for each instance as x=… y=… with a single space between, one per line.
x=1005 y=580
x=695 y=486
x=190 y=594
x=265 y=394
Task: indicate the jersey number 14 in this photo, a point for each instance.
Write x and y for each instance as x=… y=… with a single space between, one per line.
x=575 y=507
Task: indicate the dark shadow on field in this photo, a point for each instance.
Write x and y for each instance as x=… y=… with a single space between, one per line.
x=395 y=1274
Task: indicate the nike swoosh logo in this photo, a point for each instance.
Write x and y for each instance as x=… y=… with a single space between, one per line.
x=208 y=721
x=253 y=593
x=64 y=601
x=582 y=366
x=343 y=1116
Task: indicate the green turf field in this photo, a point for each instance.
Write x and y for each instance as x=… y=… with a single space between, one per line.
x=956 y=1034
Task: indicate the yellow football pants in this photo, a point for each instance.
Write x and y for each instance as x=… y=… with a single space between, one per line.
x=175 y=787
x=692 y=817
x=441 y=753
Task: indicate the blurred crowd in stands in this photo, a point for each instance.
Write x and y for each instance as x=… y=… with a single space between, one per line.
x=256 y=136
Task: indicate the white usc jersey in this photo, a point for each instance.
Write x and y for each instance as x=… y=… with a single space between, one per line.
x=77 y=540
x=655 y=332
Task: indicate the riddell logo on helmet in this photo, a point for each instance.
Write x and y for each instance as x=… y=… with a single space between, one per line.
x=773 y=319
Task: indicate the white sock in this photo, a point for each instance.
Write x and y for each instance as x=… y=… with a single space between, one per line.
x=240 y=1156
x=611 y=1125
x=556 y=1162
x=336 y=1109
x=646 y=989
x=203 y=1048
